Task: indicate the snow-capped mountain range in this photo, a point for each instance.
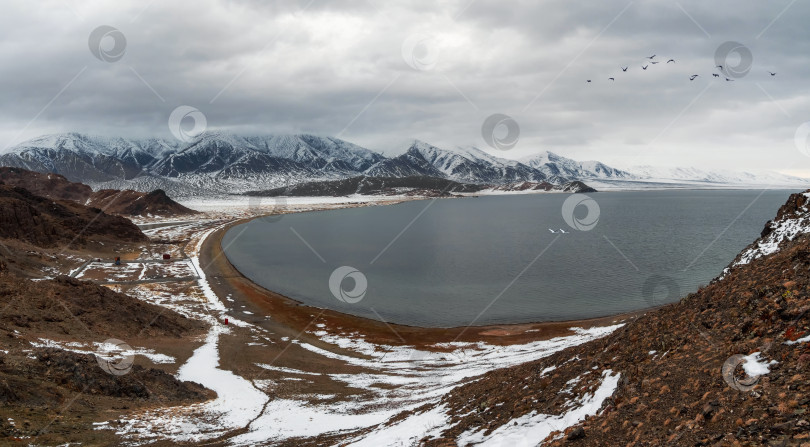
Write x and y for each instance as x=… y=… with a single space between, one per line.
x=220 y=162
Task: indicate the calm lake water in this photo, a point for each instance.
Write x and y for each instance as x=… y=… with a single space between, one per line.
x=487 y=260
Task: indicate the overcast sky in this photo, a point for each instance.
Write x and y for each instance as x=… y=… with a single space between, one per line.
x=378 y=73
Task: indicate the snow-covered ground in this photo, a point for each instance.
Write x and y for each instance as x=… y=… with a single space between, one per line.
x=786 y=229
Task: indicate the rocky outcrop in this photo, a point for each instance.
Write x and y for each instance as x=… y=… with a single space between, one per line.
x=52 y=186
x=47 y=223
x=134 y=203
x=125 y=202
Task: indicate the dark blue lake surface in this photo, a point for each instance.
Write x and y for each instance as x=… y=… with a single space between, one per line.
x=487 y=260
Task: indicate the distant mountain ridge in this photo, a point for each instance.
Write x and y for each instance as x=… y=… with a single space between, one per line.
x=220 y=163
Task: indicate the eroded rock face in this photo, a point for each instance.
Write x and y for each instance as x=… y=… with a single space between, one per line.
x=796 y=204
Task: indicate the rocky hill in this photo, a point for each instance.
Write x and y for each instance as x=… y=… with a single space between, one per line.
x=135 y=203
x=39 y=377
x=124 y=202
x=48 y=223
x=52 y=186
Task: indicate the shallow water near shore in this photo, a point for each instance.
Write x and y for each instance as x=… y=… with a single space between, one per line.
x=492 y=260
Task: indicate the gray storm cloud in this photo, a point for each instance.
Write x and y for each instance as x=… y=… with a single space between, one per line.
x=338 y=69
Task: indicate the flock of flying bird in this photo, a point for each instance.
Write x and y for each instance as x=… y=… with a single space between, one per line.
x=672 y=61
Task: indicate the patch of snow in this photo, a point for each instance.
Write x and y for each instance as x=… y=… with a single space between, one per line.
x=801 y=340
x=755 y=366
x=786 y=229
x=529 y=429
x=408 y=431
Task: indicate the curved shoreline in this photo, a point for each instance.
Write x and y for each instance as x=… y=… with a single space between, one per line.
x=269 y=307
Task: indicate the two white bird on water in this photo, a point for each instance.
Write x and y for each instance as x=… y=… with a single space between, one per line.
x=560 y=231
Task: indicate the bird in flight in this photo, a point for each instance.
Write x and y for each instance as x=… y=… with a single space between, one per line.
x=624 y=68
x=772 y=73
x=729 y=80
x=720 y=67
x=671 y=60
x=715 y=75
x=653 y=62
x=589 y=80
x=651 y=57
x=692 y=78
x=552 y=230
x=611 y=79
x=644 y=67
x=563 y=231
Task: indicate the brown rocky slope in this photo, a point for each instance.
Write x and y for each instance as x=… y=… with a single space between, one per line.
x=50 y=395
x=134 y=203
x=672 y=389
x=47 y=223
x=112 y=201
